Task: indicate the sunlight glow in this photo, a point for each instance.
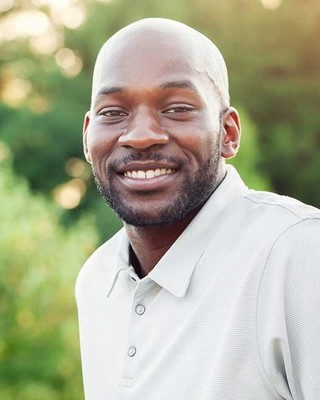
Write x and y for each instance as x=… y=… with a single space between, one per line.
x=57 y=4
x=69 y=195
x=47 y=43
x=271 y=4
x=77 y=168
x=24 y=24
x=6 y=5
x=69 y=13
x=71 y=17
x=104 y=1
x=69 y=62
x=39 y=104
x=15 y=90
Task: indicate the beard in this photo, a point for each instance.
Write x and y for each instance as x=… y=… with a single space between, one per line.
x=192 y=194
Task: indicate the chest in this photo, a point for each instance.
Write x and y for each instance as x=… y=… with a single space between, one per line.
x=144 y=339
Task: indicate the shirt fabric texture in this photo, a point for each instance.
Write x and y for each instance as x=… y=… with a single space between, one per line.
x=230 y=312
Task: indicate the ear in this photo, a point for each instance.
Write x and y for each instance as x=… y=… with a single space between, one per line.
x=86 y=123
x=231 y=133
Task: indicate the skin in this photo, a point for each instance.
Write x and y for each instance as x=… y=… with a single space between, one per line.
x=159 y=101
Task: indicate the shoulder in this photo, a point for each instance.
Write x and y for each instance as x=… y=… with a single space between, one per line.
x=279 y=216
x=295 y=245
x=265 y=219
x=278 y=204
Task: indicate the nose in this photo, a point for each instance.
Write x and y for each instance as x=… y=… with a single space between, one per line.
x=143 y=133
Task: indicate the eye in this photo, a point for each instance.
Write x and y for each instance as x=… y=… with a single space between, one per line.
x=112 y=113
x=179 y=109
x=179 y=112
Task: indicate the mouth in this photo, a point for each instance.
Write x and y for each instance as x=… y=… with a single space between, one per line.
x=146 y=176
x=149 y=173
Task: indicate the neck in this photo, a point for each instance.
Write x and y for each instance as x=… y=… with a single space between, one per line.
x=150 y=243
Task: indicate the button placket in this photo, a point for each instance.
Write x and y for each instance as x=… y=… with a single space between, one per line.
x=132 y=351
x=136 y=331
x=140 y=309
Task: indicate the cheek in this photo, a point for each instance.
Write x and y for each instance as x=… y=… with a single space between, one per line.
x=201 y=141
x=204 y=130
x=211 y=137
x=100 y=142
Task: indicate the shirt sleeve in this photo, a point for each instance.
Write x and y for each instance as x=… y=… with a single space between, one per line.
x=288 y=313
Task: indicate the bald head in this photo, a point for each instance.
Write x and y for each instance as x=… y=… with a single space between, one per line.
x=179 y=44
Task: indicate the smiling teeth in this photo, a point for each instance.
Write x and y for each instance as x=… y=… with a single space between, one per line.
x=151 y=173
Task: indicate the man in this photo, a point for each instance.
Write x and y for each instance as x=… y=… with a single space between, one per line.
x=211 y=290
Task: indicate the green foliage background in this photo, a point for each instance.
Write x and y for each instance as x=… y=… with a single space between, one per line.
x=39 y=262
x=274 y=65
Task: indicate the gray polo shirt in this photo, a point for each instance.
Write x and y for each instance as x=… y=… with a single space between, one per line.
x=231 y=311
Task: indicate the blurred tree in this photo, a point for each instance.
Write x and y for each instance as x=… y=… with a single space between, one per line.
x=248 y=159
x=274 y=63
x=39 y=262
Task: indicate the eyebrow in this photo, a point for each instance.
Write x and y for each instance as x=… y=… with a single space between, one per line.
x=110 y=90
x=179 y=84
x=184 y=84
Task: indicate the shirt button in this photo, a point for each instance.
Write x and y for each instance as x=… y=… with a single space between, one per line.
x=131 y=351
x=140 y=309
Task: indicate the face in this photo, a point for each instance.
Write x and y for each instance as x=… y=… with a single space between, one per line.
x=154 y=132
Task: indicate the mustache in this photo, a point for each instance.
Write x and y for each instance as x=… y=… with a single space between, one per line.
x=142 y=156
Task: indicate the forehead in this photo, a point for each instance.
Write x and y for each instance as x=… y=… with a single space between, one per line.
x=147 y=59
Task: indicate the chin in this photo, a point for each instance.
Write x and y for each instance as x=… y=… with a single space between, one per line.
x=142 y=220
x=137 y=216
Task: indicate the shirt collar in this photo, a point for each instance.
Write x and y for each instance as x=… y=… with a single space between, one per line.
x=120 y=260
x=174 y=271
